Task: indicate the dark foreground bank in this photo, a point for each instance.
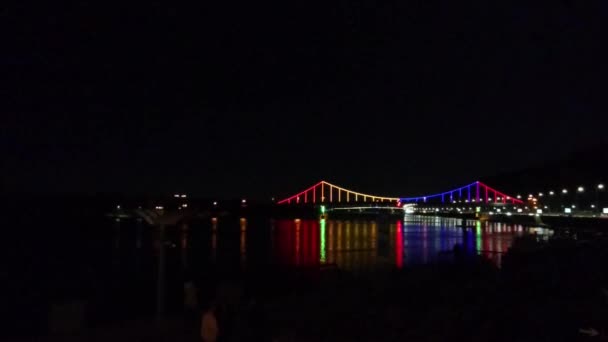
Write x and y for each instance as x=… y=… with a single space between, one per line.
x=545 y=291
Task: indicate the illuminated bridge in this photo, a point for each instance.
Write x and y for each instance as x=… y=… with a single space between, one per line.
x=324 y=192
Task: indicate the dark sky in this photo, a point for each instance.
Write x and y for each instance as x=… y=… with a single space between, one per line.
x=244 y=99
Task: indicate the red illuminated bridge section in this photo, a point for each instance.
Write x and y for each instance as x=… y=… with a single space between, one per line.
x=324 y=192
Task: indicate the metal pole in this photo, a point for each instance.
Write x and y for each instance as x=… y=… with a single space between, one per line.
x=160 y=285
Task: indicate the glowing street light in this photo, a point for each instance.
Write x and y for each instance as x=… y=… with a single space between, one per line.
x=540 y=194
x=564 y=191
x=580 y=189
x=551 y=193
x=599 y=188
x=518 y=196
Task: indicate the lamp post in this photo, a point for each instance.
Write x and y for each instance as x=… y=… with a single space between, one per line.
x=562 y=198
x=579 y=190
x=600 y=187
x=160 y=218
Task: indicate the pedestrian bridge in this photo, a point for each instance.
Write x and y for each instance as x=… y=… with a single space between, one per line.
x=325 y=192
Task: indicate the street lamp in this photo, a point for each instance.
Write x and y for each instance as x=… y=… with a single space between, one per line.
x=551 y=193
x=579 y=190
x=561 y=200
x=600 y=187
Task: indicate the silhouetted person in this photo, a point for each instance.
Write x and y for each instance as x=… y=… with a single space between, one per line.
x=209 y=326
x=250 y=323
x=190 y=297
x=258 y=322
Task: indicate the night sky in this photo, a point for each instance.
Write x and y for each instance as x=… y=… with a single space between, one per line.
x=244 y=99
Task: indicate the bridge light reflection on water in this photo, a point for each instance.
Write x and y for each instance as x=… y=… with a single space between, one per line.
x=322 y=255
x=360 y=245
x=357 y=245
x=399 y=245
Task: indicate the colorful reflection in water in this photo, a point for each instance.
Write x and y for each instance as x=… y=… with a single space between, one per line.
x=323 y=247
x=365 y=245
x=399 y=245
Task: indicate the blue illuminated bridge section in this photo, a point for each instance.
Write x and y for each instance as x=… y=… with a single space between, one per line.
x=325 y=192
